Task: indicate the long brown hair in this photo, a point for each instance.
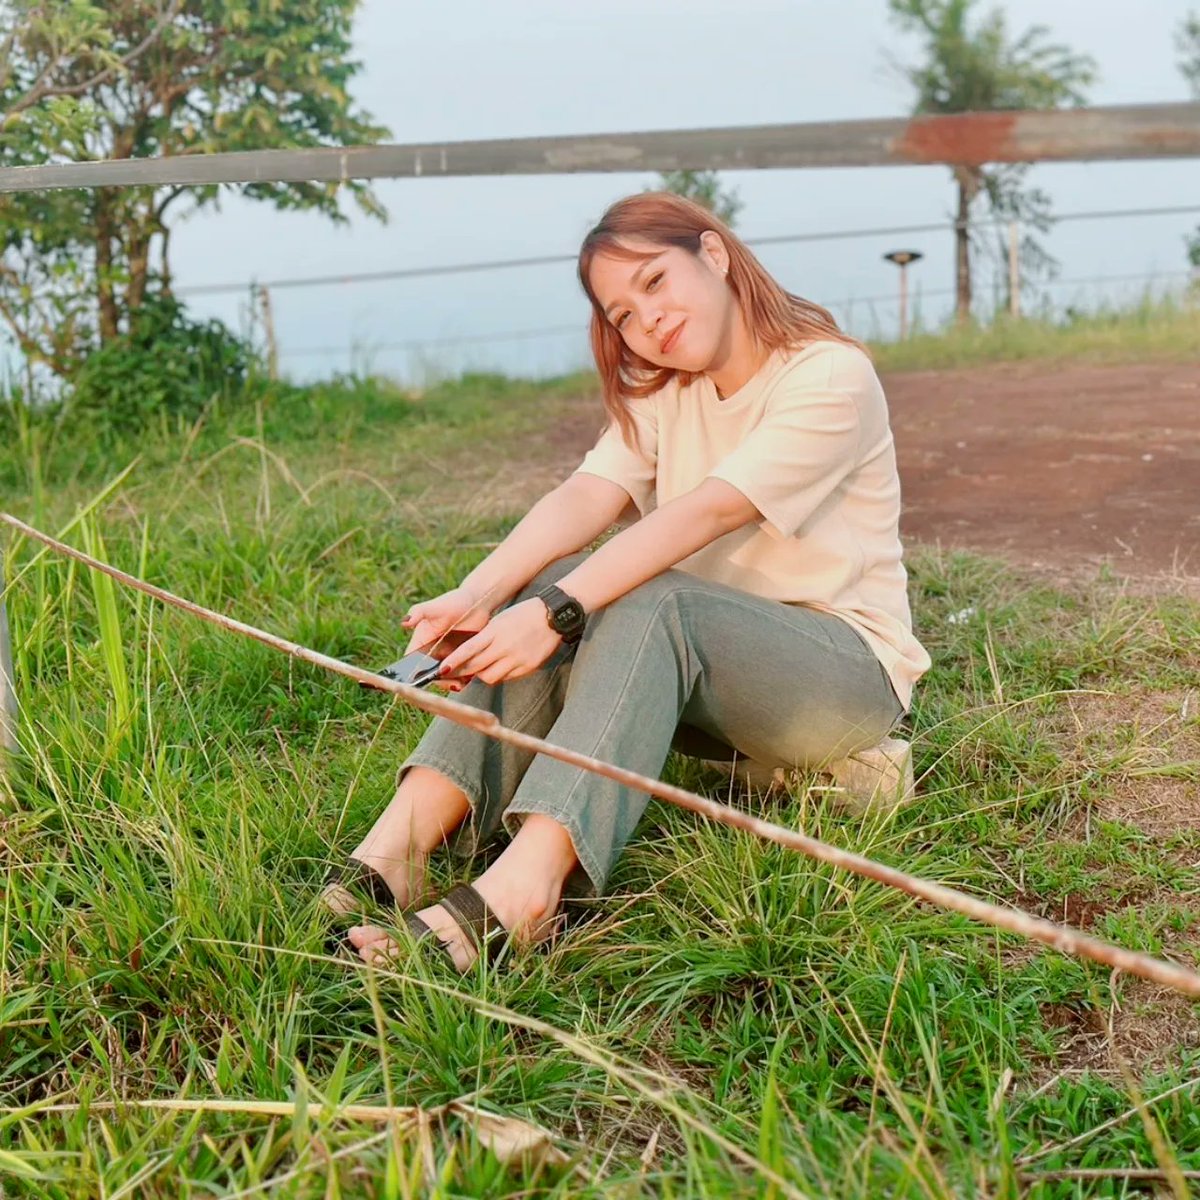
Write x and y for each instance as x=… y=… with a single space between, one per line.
x=776 y=318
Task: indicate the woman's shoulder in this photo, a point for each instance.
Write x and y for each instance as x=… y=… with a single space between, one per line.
x=827 y=364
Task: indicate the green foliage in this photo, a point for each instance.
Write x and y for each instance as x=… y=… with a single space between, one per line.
x=143 y=80
x=168 y=366
x=1187 y=43
x=705 y=188
x=984 y=69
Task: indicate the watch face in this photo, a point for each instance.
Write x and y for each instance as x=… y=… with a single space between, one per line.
x=569 y=615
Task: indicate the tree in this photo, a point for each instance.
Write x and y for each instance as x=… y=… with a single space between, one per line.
x=984 y=70
x=705 y=188
x=1187 y=42
x=147 y=78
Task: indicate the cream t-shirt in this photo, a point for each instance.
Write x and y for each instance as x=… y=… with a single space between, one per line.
x=807 y=440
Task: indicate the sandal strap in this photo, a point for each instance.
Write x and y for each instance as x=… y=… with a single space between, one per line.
x=416 y=926
x=475 y=918
x=357 y=872
x=424 y=934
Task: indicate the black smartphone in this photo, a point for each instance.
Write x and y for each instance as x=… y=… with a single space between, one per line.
x=416 y=669
x=419 y=668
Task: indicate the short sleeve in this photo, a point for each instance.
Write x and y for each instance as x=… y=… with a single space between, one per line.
x=631 y=467
x=804 y=446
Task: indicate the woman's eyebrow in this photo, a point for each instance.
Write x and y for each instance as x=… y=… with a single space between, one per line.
x=633 y=280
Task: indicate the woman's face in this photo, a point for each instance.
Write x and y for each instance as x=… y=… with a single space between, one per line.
x=674 y=309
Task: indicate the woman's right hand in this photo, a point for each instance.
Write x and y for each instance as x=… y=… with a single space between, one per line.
x=431 y=620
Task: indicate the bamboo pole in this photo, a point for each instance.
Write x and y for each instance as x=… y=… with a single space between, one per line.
x=1014 y=269
x=268 y=317
x=8 y=688
x=1061 y=937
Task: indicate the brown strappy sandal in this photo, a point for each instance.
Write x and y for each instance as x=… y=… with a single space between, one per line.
x=470 y=911
x=352 y=879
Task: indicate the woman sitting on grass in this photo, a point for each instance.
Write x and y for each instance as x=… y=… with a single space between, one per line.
x=754 y=602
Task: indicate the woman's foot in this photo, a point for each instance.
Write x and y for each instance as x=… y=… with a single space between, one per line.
x=387 y=886
x=523 y=888
x=425 y=810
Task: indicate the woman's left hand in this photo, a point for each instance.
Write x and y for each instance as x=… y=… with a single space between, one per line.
x=515 y=642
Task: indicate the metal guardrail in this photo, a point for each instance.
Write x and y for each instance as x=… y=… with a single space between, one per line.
x=969 y=139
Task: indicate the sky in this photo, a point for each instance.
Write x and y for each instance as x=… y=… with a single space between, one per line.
x=471 y=69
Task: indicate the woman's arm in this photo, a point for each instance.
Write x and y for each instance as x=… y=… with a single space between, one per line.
x=518 y=640
x=658 y=541
x=566 y=519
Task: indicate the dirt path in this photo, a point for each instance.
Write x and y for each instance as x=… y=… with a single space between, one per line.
x=1060 y=468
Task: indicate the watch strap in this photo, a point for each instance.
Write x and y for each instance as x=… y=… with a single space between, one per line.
x=558 y=604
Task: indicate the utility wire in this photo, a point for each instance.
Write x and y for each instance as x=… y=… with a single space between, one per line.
x=580 y=329
x=548 y=259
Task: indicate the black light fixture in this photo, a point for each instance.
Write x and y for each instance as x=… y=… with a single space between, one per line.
x=902 y=258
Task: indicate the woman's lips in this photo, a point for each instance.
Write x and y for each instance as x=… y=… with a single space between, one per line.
x=673 y=337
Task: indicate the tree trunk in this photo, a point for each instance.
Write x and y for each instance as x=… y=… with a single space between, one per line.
x=138 y=250
x=164 y=259
x=105 y=294
x=164 y=231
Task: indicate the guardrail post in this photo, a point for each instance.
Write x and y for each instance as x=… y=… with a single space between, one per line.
x=8 y=691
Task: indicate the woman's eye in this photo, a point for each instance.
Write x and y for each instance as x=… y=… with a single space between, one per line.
x=620 y=321
x=653 y=281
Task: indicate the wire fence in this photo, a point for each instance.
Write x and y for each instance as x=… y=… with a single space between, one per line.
x=560 y=346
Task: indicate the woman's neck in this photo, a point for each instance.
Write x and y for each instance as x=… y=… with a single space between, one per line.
x=739 y=364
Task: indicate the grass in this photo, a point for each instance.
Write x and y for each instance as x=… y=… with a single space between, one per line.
x=1162 y=327
x=801 y=1032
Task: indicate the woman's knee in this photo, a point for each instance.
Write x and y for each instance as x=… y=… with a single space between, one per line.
x=654 y=602
x=654 y=592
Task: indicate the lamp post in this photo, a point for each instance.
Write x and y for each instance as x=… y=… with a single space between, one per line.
x=902 y=258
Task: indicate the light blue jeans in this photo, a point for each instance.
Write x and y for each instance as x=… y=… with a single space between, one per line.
x=678 y=662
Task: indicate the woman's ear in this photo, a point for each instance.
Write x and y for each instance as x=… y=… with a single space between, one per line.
x=713 y=247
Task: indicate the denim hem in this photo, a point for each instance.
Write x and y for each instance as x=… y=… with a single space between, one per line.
x=442 y=767
x=570 y=822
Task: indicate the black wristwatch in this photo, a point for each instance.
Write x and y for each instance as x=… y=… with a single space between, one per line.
x=564 y=613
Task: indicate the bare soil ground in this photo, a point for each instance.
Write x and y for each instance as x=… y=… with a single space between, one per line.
x=1057 y=468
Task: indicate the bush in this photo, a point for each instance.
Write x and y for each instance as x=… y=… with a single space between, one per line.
x=167 y=366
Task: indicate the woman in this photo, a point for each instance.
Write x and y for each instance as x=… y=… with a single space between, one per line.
x=754 y=602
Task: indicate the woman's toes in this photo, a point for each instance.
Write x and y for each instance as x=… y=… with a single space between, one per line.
x=372 y=943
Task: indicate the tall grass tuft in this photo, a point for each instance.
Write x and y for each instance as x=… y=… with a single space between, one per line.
x=112 y=647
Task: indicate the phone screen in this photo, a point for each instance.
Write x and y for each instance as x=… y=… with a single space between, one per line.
x=448 y=643
x=416 y=669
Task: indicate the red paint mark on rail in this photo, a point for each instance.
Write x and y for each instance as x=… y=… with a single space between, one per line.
x=971 y=139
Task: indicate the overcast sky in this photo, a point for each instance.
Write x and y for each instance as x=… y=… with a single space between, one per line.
x=465 y=69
